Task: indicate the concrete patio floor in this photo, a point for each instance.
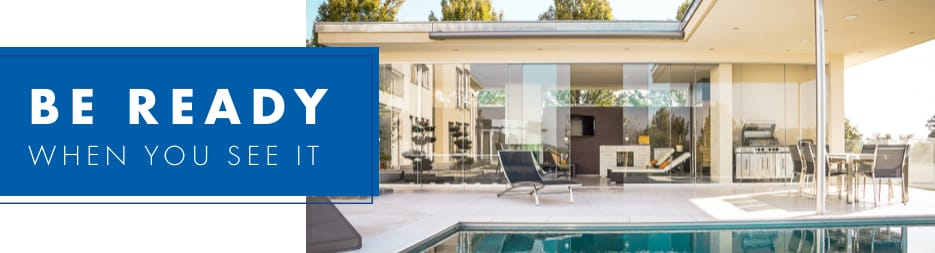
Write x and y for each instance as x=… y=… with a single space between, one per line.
x=411 y=213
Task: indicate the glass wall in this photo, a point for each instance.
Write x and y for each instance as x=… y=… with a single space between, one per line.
x=664 y=107
x=444 y=123
x=774 y=108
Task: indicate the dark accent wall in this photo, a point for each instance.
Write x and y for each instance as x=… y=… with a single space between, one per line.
x=585 y=150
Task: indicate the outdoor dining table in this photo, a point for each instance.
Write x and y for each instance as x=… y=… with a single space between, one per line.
x=851 y=162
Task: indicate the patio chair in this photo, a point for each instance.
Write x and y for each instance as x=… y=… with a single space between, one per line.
x=810 y=161
x=617 y=175
x=553 y=163
x=798 y=167
x=520 y=170
x=864 y=168
x=890 y=162
x=678 y=160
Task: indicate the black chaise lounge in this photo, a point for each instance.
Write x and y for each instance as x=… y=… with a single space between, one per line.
x=520 y=170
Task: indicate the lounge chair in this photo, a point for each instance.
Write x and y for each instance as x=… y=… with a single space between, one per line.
x=555 y=166
x=520 y=170
x=326 y=229
x=616 y=175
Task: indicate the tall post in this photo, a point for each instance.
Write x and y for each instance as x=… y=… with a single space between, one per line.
x=821 y=84
x=821 y=242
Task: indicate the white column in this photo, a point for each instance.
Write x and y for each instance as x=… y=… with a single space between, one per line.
x=836 y=103
x=724 y=241
x=821 y=83
x=722 y=125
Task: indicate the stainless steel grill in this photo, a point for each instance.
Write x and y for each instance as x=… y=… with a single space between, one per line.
x=761 y=157
x=763 y=162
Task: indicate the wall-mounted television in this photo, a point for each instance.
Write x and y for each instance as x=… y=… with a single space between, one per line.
x=582 y=125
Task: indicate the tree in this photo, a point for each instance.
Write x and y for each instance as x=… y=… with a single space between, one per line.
x=852 y=137
x=359 y=10
x=640 y=98
x=666 y=129
x=578 y=10
x=683 y=10
x=592 y=97
x=432 y=16
x=931 y=126
x=491 y=97
x=599 y=98
x=905 y=138
x=469 y=10
x=356 y=11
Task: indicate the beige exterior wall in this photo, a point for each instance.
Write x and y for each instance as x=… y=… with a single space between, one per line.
x=722 y=136
x=835 y=127
x=415 y=101
x=446 y=108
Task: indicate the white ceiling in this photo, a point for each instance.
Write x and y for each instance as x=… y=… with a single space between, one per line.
x=878 y=27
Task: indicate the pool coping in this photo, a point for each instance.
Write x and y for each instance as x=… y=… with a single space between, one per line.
x=817 y=222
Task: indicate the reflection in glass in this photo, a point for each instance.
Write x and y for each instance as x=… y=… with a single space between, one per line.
x=444 y=123
x=847 y=239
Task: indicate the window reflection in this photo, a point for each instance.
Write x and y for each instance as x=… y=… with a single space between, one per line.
x=475 y=110
x=850 y=239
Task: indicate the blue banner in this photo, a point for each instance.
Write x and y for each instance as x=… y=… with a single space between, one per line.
x=189 y=121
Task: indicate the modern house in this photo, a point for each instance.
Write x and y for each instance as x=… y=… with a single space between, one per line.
x=732 y=84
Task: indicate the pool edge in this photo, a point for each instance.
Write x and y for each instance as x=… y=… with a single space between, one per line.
x=809 y=222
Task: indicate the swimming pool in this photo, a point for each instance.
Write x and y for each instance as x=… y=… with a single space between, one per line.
x=838 y=235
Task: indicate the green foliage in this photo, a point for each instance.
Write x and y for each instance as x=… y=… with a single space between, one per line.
x=432 y=16
x=931 y=126
x=667 y=130
x=852 y=137
x=683 y=10
x=606 y=98
x=469 y=10
x=592 y=97
x=359 y=10
x=599 y=98
x=356 y=11
x=491 y=97
x=679 y=130
x=385 y=156
x=640 y=98
x=578 y=10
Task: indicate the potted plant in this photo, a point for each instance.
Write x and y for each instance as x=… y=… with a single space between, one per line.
x=679 y=133
x=384 y=160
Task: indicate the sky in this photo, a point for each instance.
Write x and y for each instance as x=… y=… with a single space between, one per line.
x=894 y=94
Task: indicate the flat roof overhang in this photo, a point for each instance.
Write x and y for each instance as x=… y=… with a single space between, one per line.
x=719 y=31
x=507 y=29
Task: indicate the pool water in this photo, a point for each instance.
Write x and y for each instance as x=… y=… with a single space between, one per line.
x=808 y=238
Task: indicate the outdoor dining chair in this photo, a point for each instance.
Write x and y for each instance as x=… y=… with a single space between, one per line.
x=798 y=167
x=810 y=167
x=889 y=163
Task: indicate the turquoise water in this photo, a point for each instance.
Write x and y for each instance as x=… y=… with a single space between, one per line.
x=864 y=238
